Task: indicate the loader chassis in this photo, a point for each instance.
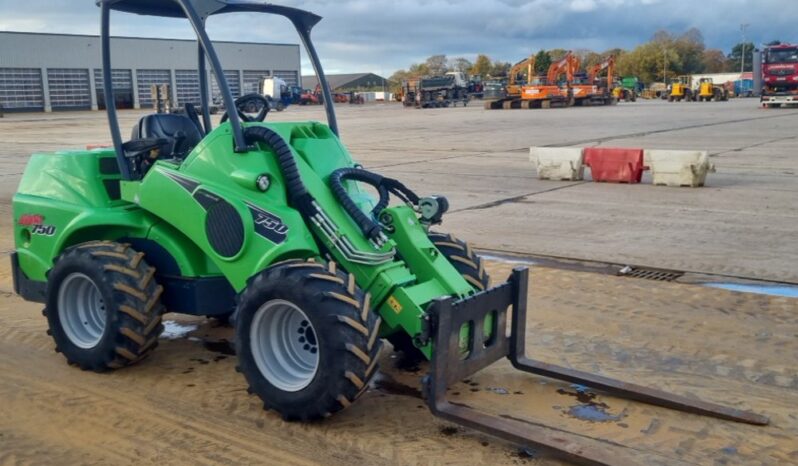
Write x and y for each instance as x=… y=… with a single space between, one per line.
x=267 y=224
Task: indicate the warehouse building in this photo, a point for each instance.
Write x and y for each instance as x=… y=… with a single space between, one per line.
x=53 y=72
x=349 y=82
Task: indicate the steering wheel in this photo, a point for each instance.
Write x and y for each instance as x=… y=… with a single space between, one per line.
x=245 y=102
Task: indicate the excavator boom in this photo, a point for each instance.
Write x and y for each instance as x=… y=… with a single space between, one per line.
x=608 y=64
x=513 y=83
x=567 y=64
x=595 y=92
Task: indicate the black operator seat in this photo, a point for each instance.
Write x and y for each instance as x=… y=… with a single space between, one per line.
x=179 y=129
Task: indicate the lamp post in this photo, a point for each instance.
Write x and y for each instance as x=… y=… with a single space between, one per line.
x=743 y=27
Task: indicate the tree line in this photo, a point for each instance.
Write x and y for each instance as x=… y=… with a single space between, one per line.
x=664 y=56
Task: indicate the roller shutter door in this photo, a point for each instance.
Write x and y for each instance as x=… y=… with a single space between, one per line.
x=123 y=88
x=232 y=80
x=21 y=89
x=187 y=86
x=69 y=88
x=145 y=79
x=289 y=76
x=252 y=80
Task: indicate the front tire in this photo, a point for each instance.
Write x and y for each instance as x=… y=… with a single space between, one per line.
x=306 y=339
x=103 y=306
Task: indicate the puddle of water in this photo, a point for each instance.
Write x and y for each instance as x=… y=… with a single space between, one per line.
x=729 y=450
x=593 y=413
x=771 y=290
x=173 y=330
x=588 y=408
x=499 y=390
x=507 y=260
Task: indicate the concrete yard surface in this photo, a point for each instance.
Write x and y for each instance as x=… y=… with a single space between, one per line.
x=738 y=226
x=186 y=404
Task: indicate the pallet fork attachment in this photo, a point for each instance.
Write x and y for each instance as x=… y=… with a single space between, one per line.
x=448 y=366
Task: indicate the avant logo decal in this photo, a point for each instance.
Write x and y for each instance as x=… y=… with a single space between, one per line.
x=268 y=225
x=27 y=220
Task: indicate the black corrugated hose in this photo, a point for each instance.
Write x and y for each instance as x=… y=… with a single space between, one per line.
x=302 y=200
x=298 y=194
x=384 y=186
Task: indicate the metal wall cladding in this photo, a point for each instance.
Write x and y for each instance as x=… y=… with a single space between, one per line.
x=35 y=50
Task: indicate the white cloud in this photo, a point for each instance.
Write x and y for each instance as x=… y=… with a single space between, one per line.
x=583 y=5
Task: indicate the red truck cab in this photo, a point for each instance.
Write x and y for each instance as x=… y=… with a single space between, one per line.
x=780 y=75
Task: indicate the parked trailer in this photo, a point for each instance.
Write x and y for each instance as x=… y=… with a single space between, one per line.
x=431 y=92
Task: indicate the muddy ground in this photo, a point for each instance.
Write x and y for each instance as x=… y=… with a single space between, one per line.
x=186 y=404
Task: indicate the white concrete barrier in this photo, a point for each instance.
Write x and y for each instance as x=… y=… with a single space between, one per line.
x=558 y=163
x=678 y=167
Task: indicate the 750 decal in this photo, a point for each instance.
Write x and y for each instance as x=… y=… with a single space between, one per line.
x=44 y=230
x=36 y=224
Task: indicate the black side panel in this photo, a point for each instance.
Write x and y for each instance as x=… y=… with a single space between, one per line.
x=155 y=255
x=109 y=166
x=113 y=189
x=30 y=290
x=188 y=295
x=205 y=296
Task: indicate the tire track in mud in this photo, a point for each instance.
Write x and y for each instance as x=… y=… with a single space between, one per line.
x=167 y=428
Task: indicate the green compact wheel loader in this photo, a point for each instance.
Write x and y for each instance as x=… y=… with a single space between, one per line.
x=276 y=225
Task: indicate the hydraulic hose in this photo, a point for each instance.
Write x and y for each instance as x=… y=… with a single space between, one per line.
x=370 y=227
x=303 y=201
x=384 y=186
x=298 y=194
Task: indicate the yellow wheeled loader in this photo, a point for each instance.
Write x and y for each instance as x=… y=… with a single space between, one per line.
x=708 y=91
x=680 y=90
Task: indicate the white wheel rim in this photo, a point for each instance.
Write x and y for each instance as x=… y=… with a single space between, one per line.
x=81 y=310
x=284 y=345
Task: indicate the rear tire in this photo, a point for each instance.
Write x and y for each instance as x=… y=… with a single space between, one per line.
x=103 y=306
x=306 y=339
x=470 y=266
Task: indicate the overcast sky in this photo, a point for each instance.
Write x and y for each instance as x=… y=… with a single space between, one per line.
x=382 y=36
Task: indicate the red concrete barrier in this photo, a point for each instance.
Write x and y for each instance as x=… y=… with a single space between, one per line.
x=617 y=165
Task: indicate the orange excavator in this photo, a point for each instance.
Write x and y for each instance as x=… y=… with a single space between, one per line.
x=548 y=93
x=595 y=90
x=512 y=92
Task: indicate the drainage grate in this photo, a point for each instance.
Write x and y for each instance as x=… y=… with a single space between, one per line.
x=650 y=274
